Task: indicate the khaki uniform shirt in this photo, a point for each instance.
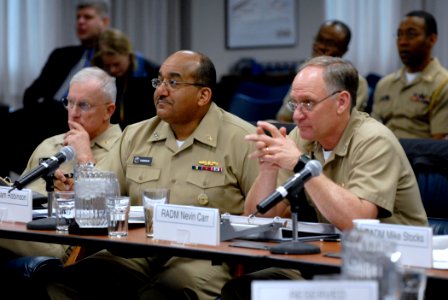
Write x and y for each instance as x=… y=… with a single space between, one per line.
x=100 y=146
x=370 y=162
x=417 y=109
x=210 y=169
x=362 y=96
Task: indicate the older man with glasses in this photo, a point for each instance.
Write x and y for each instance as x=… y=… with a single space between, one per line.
x=90 y=105
x=366 y=174
x=332 y=39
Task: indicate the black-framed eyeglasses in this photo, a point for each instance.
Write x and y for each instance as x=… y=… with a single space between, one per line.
x=307 y=104
x=173 y=84
x=82 y=105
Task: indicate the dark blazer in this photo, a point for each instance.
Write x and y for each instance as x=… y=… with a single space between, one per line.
x=55 y=71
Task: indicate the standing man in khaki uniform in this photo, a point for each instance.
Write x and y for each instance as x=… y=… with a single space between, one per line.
x=413 y=101
x=366 y=174
x=332 y=39
x=198 y=151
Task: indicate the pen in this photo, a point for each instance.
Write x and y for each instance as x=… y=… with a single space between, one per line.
x=330 y=240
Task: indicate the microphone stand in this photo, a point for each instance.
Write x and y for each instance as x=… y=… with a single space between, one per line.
x=294 y=246
x=49 y=187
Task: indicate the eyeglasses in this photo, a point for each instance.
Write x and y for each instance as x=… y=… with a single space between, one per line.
x=307 y=104
x=173 y=84
x=82 y=105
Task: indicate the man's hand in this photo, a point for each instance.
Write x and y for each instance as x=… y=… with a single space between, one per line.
x=63 y=182
x=277 y=149
x=79 y=139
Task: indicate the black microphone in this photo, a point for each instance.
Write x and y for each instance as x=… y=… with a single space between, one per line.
x=311 y=169
x=67 y=153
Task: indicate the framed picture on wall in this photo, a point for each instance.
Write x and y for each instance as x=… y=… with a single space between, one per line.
x=260 y=23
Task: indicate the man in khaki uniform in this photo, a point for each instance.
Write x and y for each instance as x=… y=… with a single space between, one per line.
x=413 y=101
x=198 y=151
x=366 y=174
x=332 y=39
x=90 y=104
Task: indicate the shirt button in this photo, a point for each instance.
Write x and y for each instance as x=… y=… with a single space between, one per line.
x=203 y=199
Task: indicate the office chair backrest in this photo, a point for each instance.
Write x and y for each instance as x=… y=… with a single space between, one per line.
x=429 y=160
x=253 y=101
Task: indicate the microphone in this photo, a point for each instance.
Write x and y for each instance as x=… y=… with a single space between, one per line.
x=311 y=169
x=67 y=153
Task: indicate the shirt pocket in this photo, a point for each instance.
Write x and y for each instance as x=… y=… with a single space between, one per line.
x=142 y=174
x=206 y=180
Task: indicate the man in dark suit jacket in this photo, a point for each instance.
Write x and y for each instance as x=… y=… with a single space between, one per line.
x=92 y=17
x=42 y=106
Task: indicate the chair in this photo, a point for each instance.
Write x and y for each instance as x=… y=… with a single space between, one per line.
x=429 y=160
x=372 y=80
x=253 y=101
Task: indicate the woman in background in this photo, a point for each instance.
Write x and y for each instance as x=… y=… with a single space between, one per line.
x=133 y=75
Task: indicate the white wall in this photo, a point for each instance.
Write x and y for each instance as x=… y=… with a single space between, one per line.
x=208 y=34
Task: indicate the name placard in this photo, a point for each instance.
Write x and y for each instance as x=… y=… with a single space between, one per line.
x=316 y=290
x=186 y=224
x=16 y=205
x=414 y=242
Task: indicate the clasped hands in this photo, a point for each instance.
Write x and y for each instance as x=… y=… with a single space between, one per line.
x=277 y=149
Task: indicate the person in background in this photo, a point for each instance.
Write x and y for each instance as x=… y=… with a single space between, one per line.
x=42 y=99
x=195 y=149
x=92 y=17
x=413 y=101
x=332 y=39
x=90 y=105
x=366 y=174
x=133 y=73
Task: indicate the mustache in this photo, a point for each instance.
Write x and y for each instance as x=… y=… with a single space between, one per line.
x=163 y=100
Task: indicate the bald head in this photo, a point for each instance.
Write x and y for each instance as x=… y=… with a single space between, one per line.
x=332 y=39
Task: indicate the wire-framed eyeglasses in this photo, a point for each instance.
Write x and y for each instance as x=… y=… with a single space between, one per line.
x=173 y=84
x=82 y=105
x=308 y=104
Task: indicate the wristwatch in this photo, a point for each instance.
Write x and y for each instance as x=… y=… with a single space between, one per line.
x=303 y=159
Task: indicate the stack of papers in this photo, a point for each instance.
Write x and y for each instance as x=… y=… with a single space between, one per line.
x=440 y=252
x=136 y=215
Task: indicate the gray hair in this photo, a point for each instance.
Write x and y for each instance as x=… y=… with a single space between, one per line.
x=102 y=7
x=106 y=81
x=339 y=74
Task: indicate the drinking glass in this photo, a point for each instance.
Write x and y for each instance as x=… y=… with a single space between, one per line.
x=152 y=197
x=118 y=216
x=65 y=209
